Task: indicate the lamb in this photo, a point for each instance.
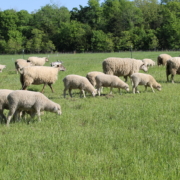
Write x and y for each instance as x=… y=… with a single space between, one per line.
x=55 y=63
x=149 y=62
x=37 y=61
x=35 y=102
x=123 y=66
x=144 y=79
x=105 y=80
x=2 y=67
x=40 y=75
x=78 y=82
x=162 y=59
x=91 y=77
x=4 y=102
x=173 y=68
x=20 y=63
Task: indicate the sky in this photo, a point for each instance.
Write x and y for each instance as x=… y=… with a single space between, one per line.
x=32 y=5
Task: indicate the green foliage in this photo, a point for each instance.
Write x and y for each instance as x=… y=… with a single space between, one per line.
x=108 y=137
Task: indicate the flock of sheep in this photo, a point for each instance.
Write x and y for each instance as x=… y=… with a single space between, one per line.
x=32 y=71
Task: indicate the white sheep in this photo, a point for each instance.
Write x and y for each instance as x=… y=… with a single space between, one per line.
x=78 y=82
x=173 y=68
x=2 y=67
x=149 y=62
x=4 y=102
x=91 y=77
x=34 y=102
x=105 y=80
x=40 y=75
x=162 y=59
x=37 y=61
x=20 y=63
x=56 y=63
x=122 y=66
x=144 y=79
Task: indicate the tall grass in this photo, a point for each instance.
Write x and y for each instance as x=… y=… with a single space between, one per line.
x=108 y=137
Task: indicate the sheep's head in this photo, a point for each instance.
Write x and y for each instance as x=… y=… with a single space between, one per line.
x=94 y=93
x=57 y=109
x=158 y=87
x=144 y=67
x=126 y=88
x=60 y=67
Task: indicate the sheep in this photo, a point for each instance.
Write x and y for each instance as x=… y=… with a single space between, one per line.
x=2 y=67
x=20 y=63
x=122 y=66
x=40 y=75
x=37 y=61
x=144 y=79
x=4 y=102
x=105 y=80
x=162 y=59
x=173 y=68
x=55 y=63
x=149 y=62
x=35 y=102
x=91 y=77
x=78 y=82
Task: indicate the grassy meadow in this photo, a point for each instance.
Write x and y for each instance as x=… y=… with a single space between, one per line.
x=111 y=137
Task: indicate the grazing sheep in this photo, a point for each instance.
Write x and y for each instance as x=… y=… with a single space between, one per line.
x=105 y=80
x=2 y=67
x=20 y=63
x=40 y=75
x=173 y=68
x=35 y=102
x=56 y=63
x=91 y=77
x=4 y=102
x=78 y=82
x=37 y=61
x=122 y=66
x=162 y=59
x=149 y=62
x=144 y=79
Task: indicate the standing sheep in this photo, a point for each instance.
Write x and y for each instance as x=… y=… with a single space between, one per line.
x=149 y=62
x=4 y=102
x=173 y=68
x=105 y=80
x=21 y=63
x=37 y=61
x=91 y=77
x=78 y=82
x=123 y=66
x=2 y=67
x=34 y=102
x=40 y=75
x=162 y=59
x=144 y=79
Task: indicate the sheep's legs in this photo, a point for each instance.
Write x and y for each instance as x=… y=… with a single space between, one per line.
x=172 y=78
x=152 y=88
x=99 y=91
x=110 y=90
x=10 y=115
x=82 y=92
x=51 y=87
x=65 y=92
x=70 y=92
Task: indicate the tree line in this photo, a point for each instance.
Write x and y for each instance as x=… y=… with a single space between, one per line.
x=114 y=25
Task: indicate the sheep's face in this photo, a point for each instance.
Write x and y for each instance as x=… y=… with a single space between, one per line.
x=158 y=87
x=94 y=92
x=144 y=68
x=61 y=67
x=126 y=88
x=57 y=109
x=46 y=59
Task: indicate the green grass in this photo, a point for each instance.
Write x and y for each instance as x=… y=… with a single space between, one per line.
x=109 y=137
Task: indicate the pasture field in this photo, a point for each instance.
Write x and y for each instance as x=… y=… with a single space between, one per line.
x=111 y=137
